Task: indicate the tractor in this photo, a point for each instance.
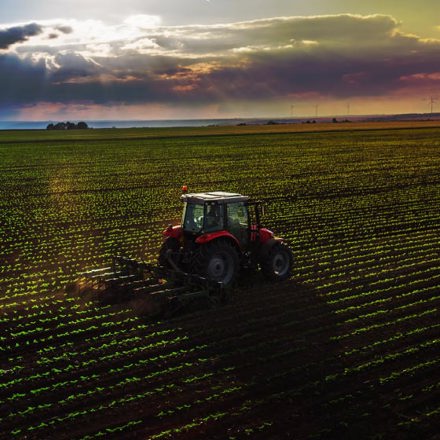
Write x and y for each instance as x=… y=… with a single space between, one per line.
x=220 y=235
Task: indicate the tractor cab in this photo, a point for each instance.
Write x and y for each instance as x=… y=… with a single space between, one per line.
x=215 y=212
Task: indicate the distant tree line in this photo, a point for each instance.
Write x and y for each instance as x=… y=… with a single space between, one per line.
x=67 y=126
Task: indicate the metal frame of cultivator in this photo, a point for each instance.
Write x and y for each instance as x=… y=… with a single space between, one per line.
x=155 y=288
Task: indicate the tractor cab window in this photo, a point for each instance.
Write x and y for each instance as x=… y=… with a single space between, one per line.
x=238 y=220
x=213 y=217
x=193 y=217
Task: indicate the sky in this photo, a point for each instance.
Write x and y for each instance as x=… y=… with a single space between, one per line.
x=192 y=59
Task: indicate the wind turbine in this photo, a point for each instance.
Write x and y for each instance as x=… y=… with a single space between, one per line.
x=432 y=100
x=292 y=106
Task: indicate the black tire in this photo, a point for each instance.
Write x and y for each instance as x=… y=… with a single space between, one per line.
x=276 y=264
x=172 y=244
x=217 y=261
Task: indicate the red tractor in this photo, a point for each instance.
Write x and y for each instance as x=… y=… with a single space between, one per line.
x=220 y=234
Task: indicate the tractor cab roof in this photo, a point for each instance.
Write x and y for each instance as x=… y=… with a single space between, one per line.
x=214 y=196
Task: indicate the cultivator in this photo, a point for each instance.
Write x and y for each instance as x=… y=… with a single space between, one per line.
x=151 y=289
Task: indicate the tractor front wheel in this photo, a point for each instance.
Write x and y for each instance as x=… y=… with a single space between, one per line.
x=217 y=261
x=276 y=264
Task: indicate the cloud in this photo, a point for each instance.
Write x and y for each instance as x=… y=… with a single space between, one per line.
x=141 y=62
x=18 y=34
x=65 y=29
x=275 y=32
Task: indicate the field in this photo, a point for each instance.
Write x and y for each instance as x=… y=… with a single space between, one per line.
x=347 y=348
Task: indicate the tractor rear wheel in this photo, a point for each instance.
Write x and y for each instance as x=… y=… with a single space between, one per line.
x=217 y=261
x=276 y=264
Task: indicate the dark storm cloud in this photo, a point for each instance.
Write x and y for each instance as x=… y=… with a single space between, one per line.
x=334 y=56
x=18 y=34
x=74 y=66
x=21 y=81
